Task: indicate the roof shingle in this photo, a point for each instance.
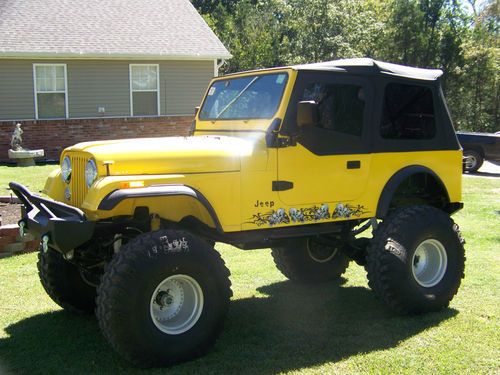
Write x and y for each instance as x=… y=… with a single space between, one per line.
x=106 y=28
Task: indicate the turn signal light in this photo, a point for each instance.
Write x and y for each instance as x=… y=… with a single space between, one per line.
x=131 y=184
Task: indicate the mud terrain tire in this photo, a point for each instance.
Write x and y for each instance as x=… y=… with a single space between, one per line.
x=416 y=260
x=63 y=283
x=307 y=261
x=163 y=298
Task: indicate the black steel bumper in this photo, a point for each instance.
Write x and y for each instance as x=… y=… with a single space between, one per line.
x=66 y=227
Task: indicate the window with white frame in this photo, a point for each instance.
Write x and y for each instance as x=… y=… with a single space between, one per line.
x=144 y=90
x=51 y=96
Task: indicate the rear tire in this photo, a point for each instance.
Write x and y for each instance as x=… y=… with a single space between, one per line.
x=64 y=284
x=163 y=298
x=473 y=161
x=308 y=261
x=416 y=260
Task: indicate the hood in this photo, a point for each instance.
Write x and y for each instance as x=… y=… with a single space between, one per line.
x=179 y=155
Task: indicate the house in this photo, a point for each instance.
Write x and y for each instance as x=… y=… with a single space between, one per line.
x=79 y=70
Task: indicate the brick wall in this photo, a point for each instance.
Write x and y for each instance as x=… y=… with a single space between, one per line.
x=55 y=135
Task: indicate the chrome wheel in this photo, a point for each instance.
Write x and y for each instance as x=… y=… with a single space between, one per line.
x=429 y=263
x=176 y=304
x=470 y=162
x=319 y=252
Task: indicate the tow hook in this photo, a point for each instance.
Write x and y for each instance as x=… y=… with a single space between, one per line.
x=22 y=224
x=45 y=243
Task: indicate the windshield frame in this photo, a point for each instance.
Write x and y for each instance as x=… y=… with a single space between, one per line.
x=253 y=76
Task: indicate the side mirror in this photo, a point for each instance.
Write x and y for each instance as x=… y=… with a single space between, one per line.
x=307 y=113
x=196 y=110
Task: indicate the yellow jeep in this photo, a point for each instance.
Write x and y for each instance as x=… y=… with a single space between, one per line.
x=301 y=159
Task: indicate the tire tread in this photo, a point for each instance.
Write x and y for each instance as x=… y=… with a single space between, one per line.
x=292 y=267
x=108 y=307
x=53 y=271
x=379 y=255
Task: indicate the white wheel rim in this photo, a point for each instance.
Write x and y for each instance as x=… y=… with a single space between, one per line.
x=470 y=161
x=429 y=263
x=320 y=253
x=176 y=304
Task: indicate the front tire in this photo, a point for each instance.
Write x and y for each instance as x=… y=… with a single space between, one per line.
x=163 y=298
x=64 y=283
x=309 y=261
x=416 y=260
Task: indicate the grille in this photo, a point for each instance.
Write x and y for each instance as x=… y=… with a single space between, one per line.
x=78 y=186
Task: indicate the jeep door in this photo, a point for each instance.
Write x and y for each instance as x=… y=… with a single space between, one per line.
x=327 y=162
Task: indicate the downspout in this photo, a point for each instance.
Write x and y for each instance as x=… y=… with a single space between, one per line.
x=222 y=62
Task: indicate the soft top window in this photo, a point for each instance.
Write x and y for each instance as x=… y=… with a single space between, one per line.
x=249 y=97
x=408 y=112
x=340 y=106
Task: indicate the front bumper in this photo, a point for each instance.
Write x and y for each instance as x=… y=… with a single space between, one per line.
x=66 y=227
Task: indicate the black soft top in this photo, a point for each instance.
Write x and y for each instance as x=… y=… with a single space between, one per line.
x=373 y=67
x=365 y=66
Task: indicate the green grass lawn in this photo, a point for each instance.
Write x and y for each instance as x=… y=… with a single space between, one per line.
x=275 y=326
x=32 y=177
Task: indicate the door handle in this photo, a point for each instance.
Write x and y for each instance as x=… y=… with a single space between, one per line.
x=353 y=164
x=282 y=185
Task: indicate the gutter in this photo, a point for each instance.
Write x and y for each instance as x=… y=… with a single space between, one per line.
x=107 y=56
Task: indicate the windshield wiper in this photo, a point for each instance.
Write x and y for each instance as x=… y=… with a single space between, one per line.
x=237 y=96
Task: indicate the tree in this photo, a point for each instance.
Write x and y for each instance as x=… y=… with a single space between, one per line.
x=422 y=33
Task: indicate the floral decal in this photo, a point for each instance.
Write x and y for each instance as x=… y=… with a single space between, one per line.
x=347 y=210
x=271 y=218
x=302 y=215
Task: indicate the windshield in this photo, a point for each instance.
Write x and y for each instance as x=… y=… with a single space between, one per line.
x=249 y=97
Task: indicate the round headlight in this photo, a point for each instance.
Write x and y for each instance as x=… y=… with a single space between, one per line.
x=90 y=172
x=66 y=169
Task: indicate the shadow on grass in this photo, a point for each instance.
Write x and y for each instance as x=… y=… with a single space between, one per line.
x=483 y=174
x=290 y=328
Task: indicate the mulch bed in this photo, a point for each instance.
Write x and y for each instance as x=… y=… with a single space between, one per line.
x=10 y=213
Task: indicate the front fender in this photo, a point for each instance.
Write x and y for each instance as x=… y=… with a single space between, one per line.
x=157 y=196
x=54 y=186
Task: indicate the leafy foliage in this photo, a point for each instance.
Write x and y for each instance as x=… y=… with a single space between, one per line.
x=463 y=41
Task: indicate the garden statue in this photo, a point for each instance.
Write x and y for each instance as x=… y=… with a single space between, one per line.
x=21 y=155
x=16 y=140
